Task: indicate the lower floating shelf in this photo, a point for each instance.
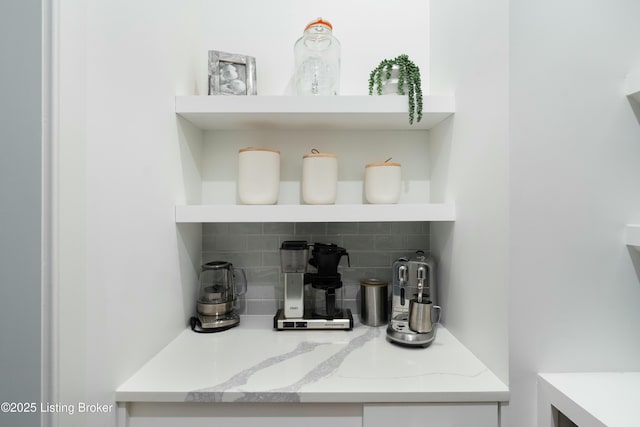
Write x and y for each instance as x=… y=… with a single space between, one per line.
x=315 y=213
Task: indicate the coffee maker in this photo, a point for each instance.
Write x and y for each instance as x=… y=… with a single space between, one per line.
x=320 y=307
x=414 y=313
x=220 y=286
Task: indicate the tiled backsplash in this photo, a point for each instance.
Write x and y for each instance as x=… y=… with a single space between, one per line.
x=254 y=247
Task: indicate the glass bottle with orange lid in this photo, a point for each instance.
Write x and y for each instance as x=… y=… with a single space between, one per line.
x=317 y=56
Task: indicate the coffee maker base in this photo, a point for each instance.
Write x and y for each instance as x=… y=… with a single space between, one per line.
x=309 y=322
x=215 y=323
x=399 y=332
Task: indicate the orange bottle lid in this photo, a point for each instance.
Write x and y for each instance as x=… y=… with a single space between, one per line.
x=319 y=21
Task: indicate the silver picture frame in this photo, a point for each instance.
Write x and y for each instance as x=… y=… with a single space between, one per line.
x=231 y=74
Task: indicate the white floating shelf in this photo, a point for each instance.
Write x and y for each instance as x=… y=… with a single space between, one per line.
x=633 y=86
x=315 y=213
x=633 y=235
x=312 y=113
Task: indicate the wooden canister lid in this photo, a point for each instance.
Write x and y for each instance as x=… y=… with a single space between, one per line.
x=243 y=150
x=319 y=155
x=376 y=164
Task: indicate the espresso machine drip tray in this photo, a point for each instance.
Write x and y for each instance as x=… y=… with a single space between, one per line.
x=399 y=332
x=342 y=322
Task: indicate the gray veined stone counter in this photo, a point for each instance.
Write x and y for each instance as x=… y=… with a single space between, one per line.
x=254 y=363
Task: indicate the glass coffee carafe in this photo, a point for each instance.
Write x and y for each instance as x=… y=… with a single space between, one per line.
x=326 y=284
x=326 y=301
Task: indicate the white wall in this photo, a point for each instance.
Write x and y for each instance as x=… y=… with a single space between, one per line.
x=125 y=160
x=127 y=274
x=21 y=260
x=469 y=154
x=574 y=157
x=574 y=148
x=268 y=31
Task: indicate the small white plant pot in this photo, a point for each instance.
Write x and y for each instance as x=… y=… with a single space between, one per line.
x=390 y=86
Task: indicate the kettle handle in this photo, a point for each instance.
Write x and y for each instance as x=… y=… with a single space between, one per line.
x=243 y=281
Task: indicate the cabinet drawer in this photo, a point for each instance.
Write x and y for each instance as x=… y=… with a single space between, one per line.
x=431 y=415
x=242 y=415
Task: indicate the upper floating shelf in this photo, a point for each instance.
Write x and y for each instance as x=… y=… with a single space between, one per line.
x=311 y=113
x=633 y=86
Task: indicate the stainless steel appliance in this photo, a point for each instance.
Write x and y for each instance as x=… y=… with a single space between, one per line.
x=320 y=306
x=374 y=302
x=414 y=313
x=220 y=286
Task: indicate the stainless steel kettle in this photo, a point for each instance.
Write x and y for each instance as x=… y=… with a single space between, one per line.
x=220 y=286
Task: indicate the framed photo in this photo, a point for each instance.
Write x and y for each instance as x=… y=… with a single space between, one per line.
x=231 y=74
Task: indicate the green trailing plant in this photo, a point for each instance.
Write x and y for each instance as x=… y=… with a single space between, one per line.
x=408 y=73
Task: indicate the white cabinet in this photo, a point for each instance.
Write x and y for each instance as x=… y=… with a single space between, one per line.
x=589 y=399
x=309 y=415
x=241 y=415
x=360 y=129
x=431 y=415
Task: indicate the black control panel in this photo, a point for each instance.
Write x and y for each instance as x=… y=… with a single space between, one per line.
x=295 y=325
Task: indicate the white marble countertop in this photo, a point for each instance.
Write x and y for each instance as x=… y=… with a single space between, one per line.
x=595 y=399
x=254 y=363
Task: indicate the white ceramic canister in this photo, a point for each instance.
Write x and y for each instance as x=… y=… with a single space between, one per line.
x=258 y=175
x=319 y=178
x=382 y=182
